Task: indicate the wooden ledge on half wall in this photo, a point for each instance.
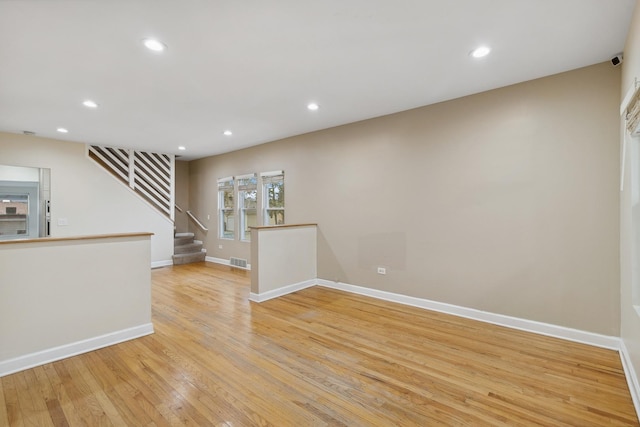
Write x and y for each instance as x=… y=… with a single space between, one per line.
x=72 y=238
x=268 y=227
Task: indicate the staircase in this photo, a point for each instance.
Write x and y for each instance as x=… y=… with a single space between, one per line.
x=186 y=250
x=150 y=175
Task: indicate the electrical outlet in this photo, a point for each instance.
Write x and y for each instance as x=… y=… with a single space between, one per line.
x=208 y=217
x=219 y=246
x=382 y=270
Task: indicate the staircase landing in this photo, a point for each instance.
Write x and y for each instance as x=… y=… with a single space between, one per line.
x=187 y=250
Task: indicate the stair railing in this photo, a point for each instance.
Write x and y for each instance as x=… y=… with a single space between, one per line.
x=150 y=175
x=197 y=221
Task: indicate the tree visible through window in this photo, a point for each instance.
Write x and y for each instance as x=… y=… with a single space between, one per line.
x=273 y=198
x=226 y=206
x=247 y=204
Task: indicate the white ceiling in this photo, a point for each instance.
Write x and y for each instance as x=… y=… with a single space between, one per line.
x=252 y=66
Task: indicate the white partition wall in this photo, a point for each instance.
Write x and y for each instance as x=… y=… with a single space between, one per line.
x=63 y=296
x=283 y=260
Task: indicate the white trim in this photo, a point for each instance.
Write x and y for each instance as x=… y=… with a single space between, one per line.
x=172 y=190
x=604 y=341
x=106 y=161
x=630 y=375
x=68 y=350
x=623 y=159
x=245 y=176
x=163 y=263
x=217 y=260
x=272 y=173
x=281 y=291
x=221 y=180
x=132 y=168
x=224 y=262
x=629 y=96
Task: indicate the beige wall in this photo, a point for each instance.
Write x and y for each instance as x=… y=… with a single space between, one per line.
x=505 y=201
x=182 y=196
x=630 y=209
x=89 y=198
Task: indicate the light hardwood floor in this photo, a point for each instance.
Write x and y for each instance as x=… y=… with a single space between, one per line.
x=313 y=358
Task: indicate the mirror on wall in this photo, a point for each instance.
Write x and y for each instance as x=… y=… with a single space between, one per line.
x=25 y=194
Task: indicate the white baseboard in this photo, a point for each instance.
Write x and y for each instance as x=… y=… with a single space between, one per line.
x=603 y=341
x=631 y=376
x=31 y=360
x=264 y=296
x=158 y=264
x=225 y=262
x=217 y=260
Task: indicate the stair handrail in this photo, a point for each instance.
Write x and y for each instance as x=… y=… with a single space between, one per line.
x=178 y=208
x=198 y=223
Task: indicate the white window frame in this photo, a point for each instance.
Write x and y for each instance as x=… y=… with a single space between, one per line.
x=267 y=178
x=223 y=185
x=244 y=185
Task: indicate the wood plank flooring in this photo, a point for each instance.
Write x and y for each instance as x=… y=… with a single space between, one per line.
x=318 y=357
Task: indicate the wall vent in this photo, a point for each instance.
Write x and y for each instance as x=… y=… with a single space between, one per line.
x=238 y=262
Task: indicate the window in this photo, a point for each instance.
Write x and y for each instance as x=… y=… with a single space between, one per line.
x=244 y=212
x=14 y=214
x=226 y=226
x=247 y=203
x=273 y=198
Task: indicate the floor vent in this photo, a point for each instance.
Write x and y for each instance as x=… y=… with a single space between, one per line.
x=238 y=262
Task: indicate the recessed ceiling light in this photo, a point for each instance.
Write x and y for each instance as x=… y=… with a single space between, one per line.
x=90 y=104
x=228 y=132
x=182 y=148
x=313 y=106
x=154 y=45
x=480 y=52
x=62 y=130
